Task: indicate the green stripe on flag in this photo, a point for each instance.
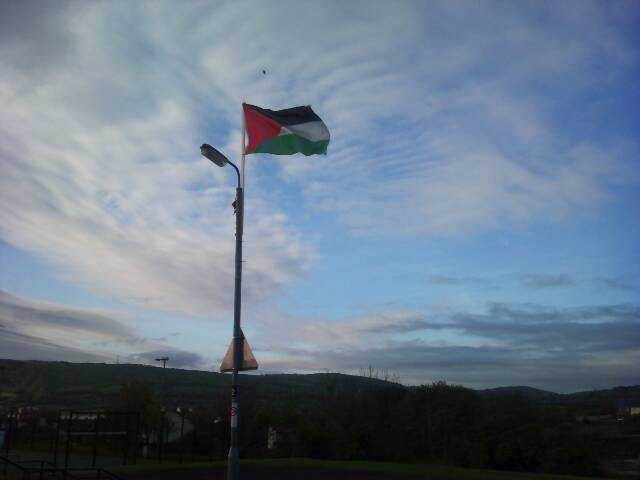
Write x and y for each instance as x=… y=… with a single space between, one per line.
x=290 y=144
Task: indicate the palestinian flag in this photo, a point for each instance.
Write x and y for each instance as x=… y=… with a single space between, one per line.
x=285 y=132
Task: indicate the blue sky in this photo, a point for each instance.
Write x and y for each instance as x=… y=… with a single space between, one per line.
x=475 y=219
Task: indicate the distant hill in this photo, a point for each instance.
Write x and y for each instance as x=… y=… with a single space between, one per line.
x=592 y=398
x=617 y=395
x=534 y=394
x=94 y=385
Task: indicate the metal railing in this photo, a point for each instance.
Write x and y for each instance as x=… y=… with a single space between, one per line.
x=40 y=469
x=94 y=473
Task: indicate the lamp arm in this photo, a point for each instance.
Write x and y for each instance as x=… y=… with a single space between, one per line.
x=236 y=169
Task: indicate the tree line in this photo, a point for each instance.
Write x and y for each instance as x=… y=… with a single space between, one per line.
x=437 y=423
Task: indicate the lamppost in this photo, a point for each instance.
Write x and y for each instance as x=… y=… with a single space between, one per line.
x=162 y=396
x=233 y=463
x=11 y=416
x=164 y=361
x=213 y=437
x=182 y=412
x=161 y=435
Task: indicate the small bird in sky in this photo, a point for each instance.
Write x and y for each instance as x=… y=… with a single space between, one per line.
x=264 y=72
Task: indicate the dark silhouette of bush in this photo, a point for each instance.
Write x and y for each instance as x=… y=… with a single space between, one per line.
x=438 y=422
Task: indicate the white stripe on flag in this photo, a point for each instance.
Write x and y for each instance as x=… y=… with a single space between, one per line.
x=312 y=131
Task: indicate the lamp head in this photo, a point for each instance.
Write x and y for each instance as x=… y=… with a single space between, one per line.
x=214 y=155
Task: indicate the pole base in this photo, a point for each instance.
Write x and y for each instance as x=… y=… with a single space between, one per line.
x=233 y=464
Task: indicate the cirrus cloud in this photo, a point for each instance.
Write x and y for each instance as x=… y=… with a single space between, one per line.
x=101 y=173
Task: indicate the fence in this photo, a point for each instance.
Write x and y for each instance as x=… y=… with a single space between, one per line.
x=88 y=439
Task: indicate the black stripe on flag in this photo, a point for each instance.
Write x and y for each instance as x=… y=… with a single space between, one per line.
x=289 y=116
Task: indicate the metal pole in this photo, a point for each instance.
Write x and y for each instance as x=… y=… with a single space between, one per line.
x=7 y=438
x=161 y=437
x=213 y=442
x=125 y=450
x=234 y=460
x=135 y=439
x=34 y=426
x=194 y=445
x=181 y=435
x=96 y=434
x=242 y=155
x=68 y=447
x=55 y=448
x=233 y=466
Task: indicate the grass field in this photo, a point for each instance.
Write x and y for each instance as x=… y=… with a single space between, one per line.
x=280 y=468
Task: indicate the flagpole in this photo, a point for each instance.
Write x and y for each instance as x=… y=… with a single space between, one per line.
x=233 y=464
x=242 y=147
x=238 y=343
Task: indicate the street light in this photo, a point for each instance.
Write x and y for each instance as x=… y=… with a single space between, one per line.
x=233 y=461
x=215 y=421
x=218 y=158
x=161 y=436
x=164 y=361
x=183 y=412
x=11 y=416
x=214 y=155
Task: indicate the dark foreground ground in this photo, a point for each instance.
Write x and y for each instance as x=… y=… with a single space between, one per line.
x=271 y=473
x=306 y=469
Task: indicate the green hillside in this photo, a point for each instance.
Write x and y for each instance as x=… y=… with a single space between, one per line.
x=93 y=385
x=533 y=394
x=343 y=417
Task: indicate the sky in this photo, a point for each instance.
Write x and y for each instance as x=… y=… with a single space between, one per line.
x=474 y=221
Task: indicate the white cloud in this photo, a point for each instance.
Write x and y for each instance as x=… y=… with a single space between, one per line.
x=102 y=176
x=39 y=330
x=31 y=329
x=562 y=349
x=440 y=123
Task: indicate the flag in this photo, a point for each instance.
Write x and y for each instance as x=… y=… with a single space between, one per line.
x=285 y=132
